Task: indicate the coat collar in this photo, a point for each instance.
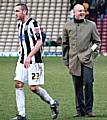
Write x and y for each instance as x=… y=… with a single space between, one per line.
x=79 y=21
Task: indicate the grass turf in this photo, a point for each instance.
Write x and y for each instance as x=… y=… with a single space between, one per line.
x=59 y=85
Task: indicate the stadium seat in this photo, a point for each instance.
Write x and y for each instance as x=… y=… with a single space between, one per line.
x=103 y=33
x=50 y=14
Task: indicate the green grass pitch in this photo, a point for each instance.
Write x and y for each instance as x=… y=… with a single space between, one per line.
x=59 y=85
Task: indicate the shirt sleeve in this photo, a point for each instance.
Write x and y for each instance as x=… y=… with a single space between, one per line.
x=35 y=28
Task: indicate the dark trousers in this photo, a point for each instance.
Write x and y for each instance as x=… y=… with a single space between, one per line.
x=83 y=86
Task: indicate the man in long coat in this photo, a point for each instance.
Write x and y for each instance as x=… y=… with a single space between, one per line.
x=80 y=43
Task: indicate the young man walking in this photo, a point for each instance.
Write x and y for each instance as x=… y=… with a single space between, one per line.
x=30 y=68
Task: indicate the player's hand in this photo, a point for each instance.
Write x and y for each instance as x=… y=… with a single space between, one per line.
x=27 y=62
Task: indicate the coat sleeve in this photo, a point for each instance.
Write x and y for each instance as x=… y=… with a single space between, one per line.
x=96 y=42
x=95 y=37
x=65 y=46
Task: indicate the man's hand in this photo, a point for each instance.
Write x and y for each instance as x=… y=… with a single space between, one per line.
x=27 y=62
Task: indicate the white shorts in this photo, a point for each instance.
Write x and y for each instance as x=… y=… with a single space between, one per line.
x=34 y=75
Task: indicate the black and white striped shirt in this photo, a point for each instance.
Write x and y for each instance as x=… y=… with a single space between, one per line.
x=29 y=33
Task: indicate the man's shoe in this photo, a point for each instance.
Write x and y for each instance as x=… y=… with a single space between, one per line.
x=78 y=114
x=90 y=114
x=18 y=117
x=54 y=110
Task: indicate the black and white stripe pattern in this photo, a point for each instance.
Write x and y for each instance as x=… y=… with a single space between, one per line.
x=29 y=33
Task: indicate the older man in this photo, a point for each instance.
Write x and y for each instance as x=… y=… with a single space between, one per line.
x=80 y=43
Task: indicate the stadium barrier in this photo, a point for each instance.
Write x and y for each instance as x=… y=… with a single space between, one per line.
x=47 y=51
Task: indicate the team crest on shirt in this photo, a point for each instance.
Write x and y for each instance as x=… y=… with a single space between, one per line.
x=26 y=28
